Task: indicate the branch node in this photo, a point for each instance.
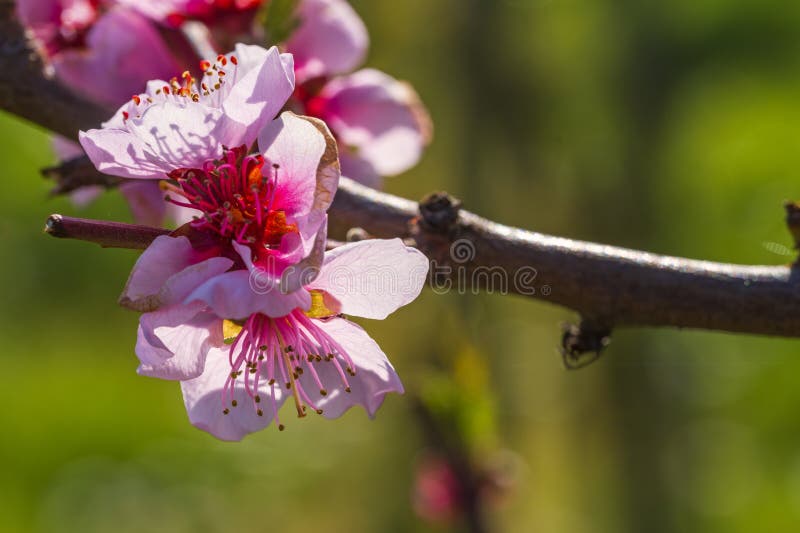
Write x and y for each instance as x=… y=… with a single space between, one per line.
x=357 y=234
x=439 y=211
x=53 y=226
x=588 y=337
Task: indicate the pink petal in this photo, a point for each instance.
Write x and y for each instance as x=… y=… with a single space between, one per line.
x=373 y=278
x=204 y=403
x=375 y=376
x=167 y=136
x=307 y=270
x=146 y=201
x=64 y=148
x=331 y=39
x=263 y=82
x=166 y=271
x=83 y=196
x=173 y=343
x=237 y=295
x=183 y=135
x=123 y=51
x=359 y=169
x=120 y=153
x=380 y=117
x=308 y=172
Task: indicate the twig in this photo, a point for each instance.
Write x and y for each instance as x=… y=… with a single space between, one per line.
x=106 y=234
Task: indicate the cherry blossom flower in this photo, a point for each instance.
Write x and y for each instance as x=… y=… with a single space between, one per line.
x=197 y=138
x=380 y=123
x=244 y=331
x=241 y=352
x=240 y=92
x=106 y=53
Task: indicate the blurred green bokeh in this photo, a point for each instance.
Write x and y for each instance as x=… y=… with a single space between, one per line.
x=665 y=125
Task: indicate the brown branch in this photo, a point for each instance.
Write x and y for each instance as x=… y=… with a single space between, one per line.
x=611 y=286
x=106 y=234
x=28 y=92
x=608 y=286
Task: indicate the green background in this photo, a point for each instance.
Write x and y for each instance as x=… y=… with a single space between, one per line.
x=670 y=126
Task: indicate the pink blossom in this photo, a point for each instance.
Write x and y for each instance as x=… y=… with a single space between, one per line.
x=239 y=93
x=106 y=54
x=240 y=351
x=380 y=123
x=199 y=137
x=183 y=123
x=438 y=493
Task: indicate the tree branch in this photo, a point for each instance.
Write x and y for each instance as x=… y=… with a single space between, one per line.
x=611 y=286
x=608 y=286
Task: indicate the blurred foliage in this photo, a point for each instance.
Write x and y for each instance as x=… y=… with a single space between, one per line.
x=666 y=125
x=278 y=19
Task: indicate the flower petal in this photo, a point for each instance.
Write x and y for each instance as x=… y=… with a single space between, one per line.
x=331 y=39
x=263 y=83
x=306 y=153
x=119 y=153
x=296 y=276
x=146 y=201
x=359 y=169
x=173 y=343
x=237 y=295
x=375 y=376
x=123 y=51
x=182 y=135
x=373 y=278
x=166 y=271
x=167 y=136
x=203 y=399
x=380 y=118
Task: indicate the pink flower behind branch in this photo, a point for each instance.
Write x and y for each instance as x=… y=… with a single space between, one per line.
x=331 y=39
x=380 y=123
x=105 y=53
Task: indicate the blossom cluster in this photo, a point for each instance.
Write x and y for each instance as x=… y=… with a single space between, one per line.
x=244 y=304
x=107 y=50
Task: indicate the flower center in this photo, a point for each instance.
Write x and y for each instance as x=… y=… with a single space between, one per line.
x=236 y=200
x=208 y=11
x=306 y=99
x=291 y=352
x=74 y=24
